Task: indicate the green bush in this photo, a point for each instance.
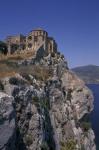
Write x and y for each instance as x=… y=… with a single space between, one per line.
x=58 y=53
x=35 y=100
x=62 y=56
x=13 y=81
x=16 y=81
x=1 y=119
x=1 y=86
x=28 y=140
x=53 y=54
x=45 y=103
x=69 y=145
x=3 y=47
x=86 y=126
x=26 y=77
x=44 y=146
x=69 y=96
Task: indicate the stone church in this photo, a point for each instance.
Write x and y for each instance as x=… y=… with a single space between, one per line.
x=34 y=40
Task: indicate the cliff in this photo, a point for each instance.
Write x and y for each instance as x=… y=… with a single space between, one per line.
x=46 y=108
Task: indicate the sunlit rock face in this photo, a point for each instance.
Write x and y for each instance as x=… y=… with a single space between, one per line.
x=81 y=96
x=71 y=101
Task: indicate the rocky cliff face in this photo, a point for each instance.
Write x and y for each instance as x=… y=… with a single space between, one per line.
x=7 y=122
x=46 y=113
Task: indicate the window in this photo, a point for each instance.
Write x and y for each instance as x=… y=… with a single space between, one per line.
x=40 y=32
x=23 y=46
x=42 y=38
x=29 y=45
x=50 y=47
x=30 y=38
x=35 y=38
x=16 y=41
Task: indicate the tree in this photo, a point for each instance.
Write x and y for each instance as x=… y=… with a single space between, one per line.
x=3 y=48
x=69 y=145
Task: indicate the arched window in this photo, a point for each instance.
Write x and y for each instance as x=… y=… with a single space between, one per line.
x=15 y=47
x=29 y=45
x=35 y=38
x=22 y=46
x=50 y=46
x=30 y=38
x=3 y=48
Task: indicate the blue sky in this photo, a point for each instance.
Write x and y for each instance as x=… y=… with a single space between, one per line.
x=73 y=23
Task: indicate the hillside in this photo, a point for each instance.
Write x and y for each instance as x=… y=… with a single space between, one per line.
x=90 y=73
x=43 y=104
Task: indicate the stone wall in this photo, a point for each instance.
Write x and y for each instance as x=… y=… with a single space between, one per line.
x=33 y=41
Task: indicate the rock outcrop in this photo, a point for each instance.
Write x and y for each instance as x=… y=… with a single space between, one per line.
x=7 y=122
x=48 y=113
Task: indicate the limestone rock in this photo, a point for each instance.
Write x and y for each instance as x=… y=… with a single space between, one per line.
x=50 y=114
x=7 y=122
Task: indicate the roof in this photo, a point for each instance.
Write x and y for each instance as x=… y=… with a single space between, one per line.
x=38 y=29
x=18 y=35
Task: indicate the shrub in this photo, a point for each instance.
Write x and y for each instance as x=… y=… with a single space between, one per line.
x=69 y=145
x=41 y=73
x=82 y=147
x=35 y=100
x=28 y=139
x=1 y=119
x=69 y=96
x=44 y=146
x=58 y=53
x=16 y=81
x=3 y=47
x=26 y=76
x=45 y=103
x=62 y=56
x=53 y=54
x=13 y=81
x=86 y=126
x=1 y=86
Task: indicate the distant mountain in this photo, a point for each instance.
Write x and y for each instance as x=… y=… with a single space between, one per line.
x=90 y=73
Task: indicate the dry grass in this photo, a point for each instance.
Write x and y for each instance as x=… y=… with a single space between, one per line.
x=39 y=72
x=6 y=71
x=7 y=74
x=18 y=56
x=8 y=63
x=8 y=68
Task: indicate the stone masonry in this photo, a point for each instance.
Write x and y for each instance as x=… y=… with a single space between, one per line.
x=33 y=41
